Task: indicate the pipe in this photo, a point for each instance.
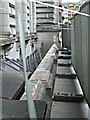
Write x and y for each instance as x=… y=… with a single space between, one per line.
x=31 y=106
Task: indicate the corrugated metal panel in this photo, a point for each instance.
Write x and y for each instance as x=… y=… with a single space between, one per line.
x=66 y=36
x=80 y=41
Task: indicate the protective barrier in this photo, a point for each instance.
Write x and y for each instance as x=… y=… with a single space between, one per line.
x=66 y=36
x=80 y=42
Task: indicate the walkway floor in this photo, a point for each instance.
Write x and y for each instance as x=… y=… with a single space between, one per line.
x=68 y=98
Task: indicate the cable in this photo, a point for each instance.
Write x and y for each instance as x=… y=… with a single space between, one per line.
x=61 y=8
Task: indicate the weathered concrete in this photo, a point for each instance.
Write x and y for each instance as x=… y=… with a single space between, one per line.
x=41 y=77
x=46 y=38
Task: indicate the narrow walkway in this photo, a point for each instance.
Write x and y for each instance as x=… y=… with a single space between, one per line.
x=68 y=98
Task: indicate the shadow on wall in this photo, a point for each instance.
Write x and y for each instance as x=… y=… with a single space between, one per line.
x=45 y=41
x=45 y=46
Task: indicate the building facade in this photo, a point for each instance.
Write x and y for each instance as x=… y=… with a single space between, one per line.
x=67 y=15
x=9 y=27
x=47 y=15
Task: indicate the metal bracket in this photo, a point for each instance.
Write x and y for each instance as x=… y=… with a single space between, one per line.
x=68 y=97
x=66 y=75
x=64 y=64
x=64 y=57
x=66 y=52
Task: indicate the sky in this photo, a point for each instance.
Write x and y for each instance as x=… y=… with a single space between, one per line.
x=70 y=0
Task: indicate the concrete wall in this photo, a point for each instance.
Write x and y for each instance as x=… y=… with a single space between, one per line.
x=42 y=75
x=45 y=41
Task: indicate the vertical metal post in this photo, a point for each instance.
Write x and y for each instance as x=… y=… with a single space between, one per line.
x=31 y=106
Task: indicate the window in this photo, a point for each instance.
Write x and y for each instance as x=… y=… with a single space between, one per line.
x=71 y=6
